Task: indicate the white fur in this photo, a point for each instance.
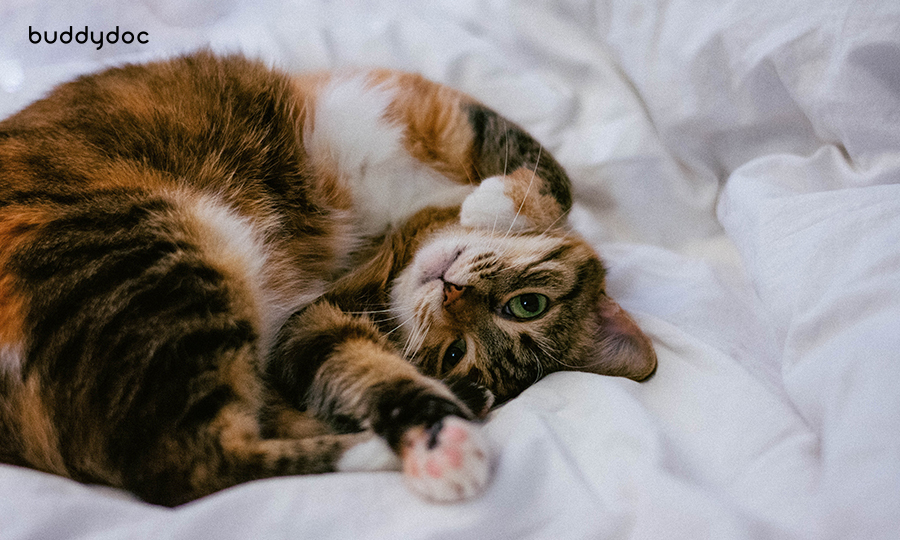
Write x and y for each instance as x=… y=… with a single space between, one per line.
x=371 y=455
x=10 y=359
x=237 y=243
x=230 y=236
x=489 y=207
x=388 y=185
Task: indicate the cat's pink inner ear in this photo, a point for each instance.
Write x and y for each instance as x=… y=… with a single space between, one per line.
x=620 y=348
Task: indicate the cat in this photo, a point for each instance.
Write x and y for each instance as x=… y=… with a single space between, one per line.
x=213 y=272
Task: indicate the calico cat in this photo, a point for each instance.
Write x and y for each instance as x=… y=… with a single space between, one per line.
x=213 y=272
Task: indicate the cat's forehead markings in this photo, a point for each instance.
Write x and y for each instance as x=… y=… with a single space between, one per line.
x=524 y=246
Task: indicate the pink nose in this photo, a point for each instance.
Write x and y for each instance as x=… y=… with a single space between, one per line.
x=452 y=293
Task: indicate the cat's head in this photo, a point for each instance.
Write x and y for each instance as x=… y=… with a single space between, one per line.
x=503 y=310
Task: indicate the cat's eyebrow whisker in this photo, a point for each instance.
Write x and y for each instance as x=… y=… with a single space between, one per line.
x=506 y=145
x=527 y=191
x=555 y=221
x=462 y=165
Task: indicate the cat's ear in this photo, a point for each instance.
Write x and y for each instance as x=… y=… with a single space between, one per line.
x=620 y=348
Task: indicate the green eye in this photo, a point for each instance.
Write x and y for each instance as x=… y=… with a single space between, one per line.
x=452 y=356
x=526 y=306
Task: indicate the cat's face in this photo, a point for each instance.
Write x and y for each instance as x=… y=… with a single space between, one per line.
x=501 y=310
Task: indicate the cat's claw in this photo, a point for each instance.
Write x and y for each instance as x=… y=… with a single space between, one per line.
x=448 y=462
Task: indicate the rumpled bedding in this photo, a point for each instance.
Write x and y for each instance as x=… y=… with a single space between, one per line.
x=735 y=162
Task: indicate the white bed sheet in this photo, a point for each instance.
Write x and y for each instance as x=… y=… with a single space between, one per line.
x=737 y=163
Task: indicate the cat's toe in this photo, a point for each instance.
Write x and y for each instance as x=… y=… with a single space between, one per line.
x=447 y=462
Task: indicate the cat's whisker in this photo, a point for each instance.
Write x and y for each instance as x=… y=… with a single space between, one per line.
x=381 y=320
x=372 y=312
x=407 y=342
x=570 y=366
x=540 y=372
x=416 y=339
x=465 y=169
x=527 y=191
x=506 y=157
x=416 y=344
x=402 y=324
x=398 y=327
x=557 y=220
x=505 y=170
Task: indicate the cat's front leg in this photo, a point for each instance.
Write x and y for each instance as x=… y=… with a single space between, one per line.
x=443 y=457
x=356 y=381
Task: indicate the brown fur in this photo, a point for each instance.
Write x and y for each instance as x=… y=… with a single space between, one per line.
x=438 y=132
x=40 y=440
x=187 y=301
x=542 y=209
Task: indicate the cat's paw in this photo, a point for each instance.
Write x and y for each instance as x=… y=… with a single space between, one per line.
x=447 y=462
x=489 y=207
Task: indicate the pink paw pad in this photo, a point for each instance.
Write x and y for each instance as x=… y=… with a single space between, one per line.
x=448 y=462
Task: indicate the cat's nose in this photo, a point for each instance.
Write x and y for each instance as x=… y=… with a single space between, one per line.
x=452 y=292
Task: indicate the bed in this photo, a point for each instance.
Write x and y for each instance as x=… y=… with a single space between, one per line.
x=737 y=165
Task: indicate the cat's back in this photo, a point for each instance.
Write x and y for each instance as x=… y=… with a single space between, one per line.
x=190 y=119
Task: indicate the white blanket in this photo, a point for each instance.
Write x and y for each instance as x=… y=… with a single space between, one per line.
x=737 y=164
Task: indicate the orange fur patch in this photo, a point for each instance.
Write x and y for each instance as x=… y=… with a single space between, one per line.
x=438 y=132
x=525 y=191
x=40 y=440
x=16 y=228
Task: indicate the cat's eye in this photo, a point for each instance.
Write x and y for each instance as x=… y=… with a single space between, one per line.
x=526 y=306
x=453 y=355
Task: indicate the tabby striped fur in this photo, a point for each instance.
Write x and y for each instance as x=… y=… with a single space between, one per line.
x=204 y=263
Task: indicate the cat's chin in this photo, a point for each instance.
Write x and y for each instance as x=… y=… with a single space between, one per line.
x=433 y=261
x=436 y=259
x=429 y=269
